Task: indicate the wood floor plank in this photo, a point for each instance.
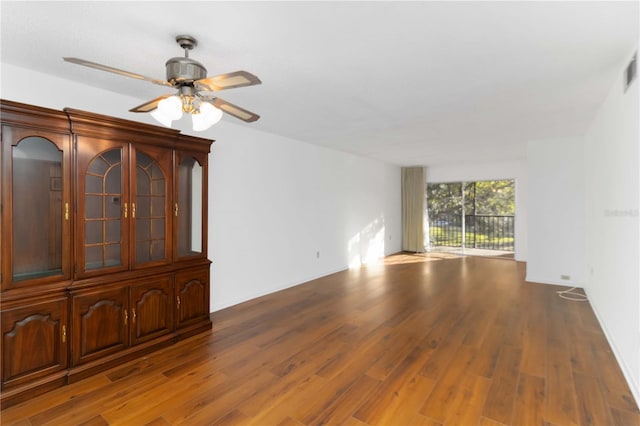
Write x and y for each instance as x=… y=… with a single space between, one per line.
x=398 y=390
x=303 y=366
x=402 y=407
x=530 y=401
x=488 y=422
x=218 y=401
x=95 y=421
x=233 y=418
x=467 y=407
x=489 y=350
x=441 y=399
x=96 y=401
x=144 y=407
x=420 y=420
x=616 y=393
x=158 y=421
x=54 y=398
x=417 y=339
x=592 y=406
x=535 y=339
x=560 y=396
x=346 y=404
x=288 y=421
x=282 y=406
x=446 y=349
x=624 y=417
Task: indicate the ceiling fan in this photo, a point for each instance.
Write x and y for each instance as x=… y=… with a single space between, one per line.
x=193 y=97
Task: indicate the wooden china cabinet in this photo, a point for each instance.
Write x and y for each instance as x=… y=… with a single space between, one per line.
x=103 y=244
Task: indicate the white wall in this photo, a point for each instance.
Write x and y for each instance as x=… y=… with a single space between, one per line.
x=516 y=169
x=274 y=202
x=278 y=202
x=612 y=182
x=556 y=211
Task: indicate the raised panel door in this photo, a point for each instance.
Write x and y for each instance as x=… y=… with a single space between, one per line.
x=192 y=293
x=151 y=308
x=34 y=341
x=100 y=324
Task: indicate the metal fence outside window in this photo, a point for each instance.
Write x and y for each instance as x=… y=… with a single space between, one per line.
x=490 y=232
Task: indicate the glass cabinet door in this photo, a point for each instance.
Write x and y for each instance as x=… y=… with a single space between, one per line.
x=188 y=208
x=150 y=211
x=103 y=207
x=104 y=211
x=39 y=209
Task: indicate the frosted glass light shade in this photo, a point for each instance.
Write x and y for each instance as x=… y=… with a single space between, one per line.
x=208 y=116
x=168 y=110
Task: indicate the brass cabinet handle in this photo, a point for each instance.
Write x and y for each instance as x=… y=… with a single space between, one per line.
x=126 y=317
x=178 y=302
x=126 y=210
x=133 y=315
x=64 y=334
x=175 y=209
x=66 y=211
x=133 y=210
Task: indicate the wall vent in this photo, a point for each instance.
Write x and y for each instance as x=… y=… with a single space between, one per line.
x=631 y=72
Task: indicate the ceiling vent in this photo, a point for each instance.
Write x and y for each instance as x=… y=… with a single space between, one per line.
x=631 y=72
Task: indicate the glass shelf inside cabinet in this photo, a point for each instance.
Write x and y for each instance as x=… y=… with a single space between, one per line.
x=37 y=209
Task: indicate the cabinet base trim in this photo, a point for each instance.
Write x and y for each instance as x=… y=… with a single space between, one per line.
x=27 y=391
x=83 y=371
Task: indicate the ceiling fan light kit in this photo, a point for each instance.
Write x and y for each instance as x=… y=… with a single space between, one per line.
x=208 y=116
x=168 y=110
x=190 y=78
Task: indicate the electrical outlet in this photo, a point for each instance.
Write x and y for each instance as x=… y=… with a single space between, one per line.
x=565 y=277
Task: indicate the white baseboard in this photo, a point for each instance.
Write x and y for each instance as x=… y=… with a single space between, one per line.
x=532 y=279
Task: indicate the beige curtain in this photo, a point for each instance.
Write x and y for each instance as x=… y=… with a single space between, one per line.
x=413 y=208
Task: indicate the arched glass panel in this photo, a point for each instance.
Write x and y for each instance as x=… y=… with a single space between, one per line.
x=150 y=210
x=103 y=217
x=37 y=209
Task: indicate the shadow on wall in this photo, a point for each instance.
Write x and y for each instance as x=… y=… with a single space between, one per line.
x=367 y=245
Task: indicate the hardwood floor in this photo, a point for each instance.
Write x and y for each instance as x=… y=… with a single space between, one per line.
x=417 y=340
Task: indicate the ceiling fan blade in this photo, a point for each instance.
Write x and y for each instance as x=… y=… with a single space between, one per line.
x=227 y=81
x=149 y=106
x=101 y=67
x=234 y=110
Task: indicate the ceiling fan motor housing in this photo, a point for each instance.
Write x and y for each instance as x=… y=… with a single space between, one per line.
x=184 y=70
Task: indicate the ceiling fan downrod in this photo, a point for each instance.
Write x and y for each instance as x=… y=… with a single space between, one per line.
x=187 y=43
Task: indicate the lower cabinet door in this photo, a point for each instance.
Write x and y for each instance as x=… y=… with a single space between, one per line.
x=100 y=324
x=192 y=296
x=34 y=341
x=151 y=308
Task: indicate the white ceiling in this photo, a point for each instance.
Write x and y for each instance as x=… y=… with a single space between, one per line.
x=409 y=83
